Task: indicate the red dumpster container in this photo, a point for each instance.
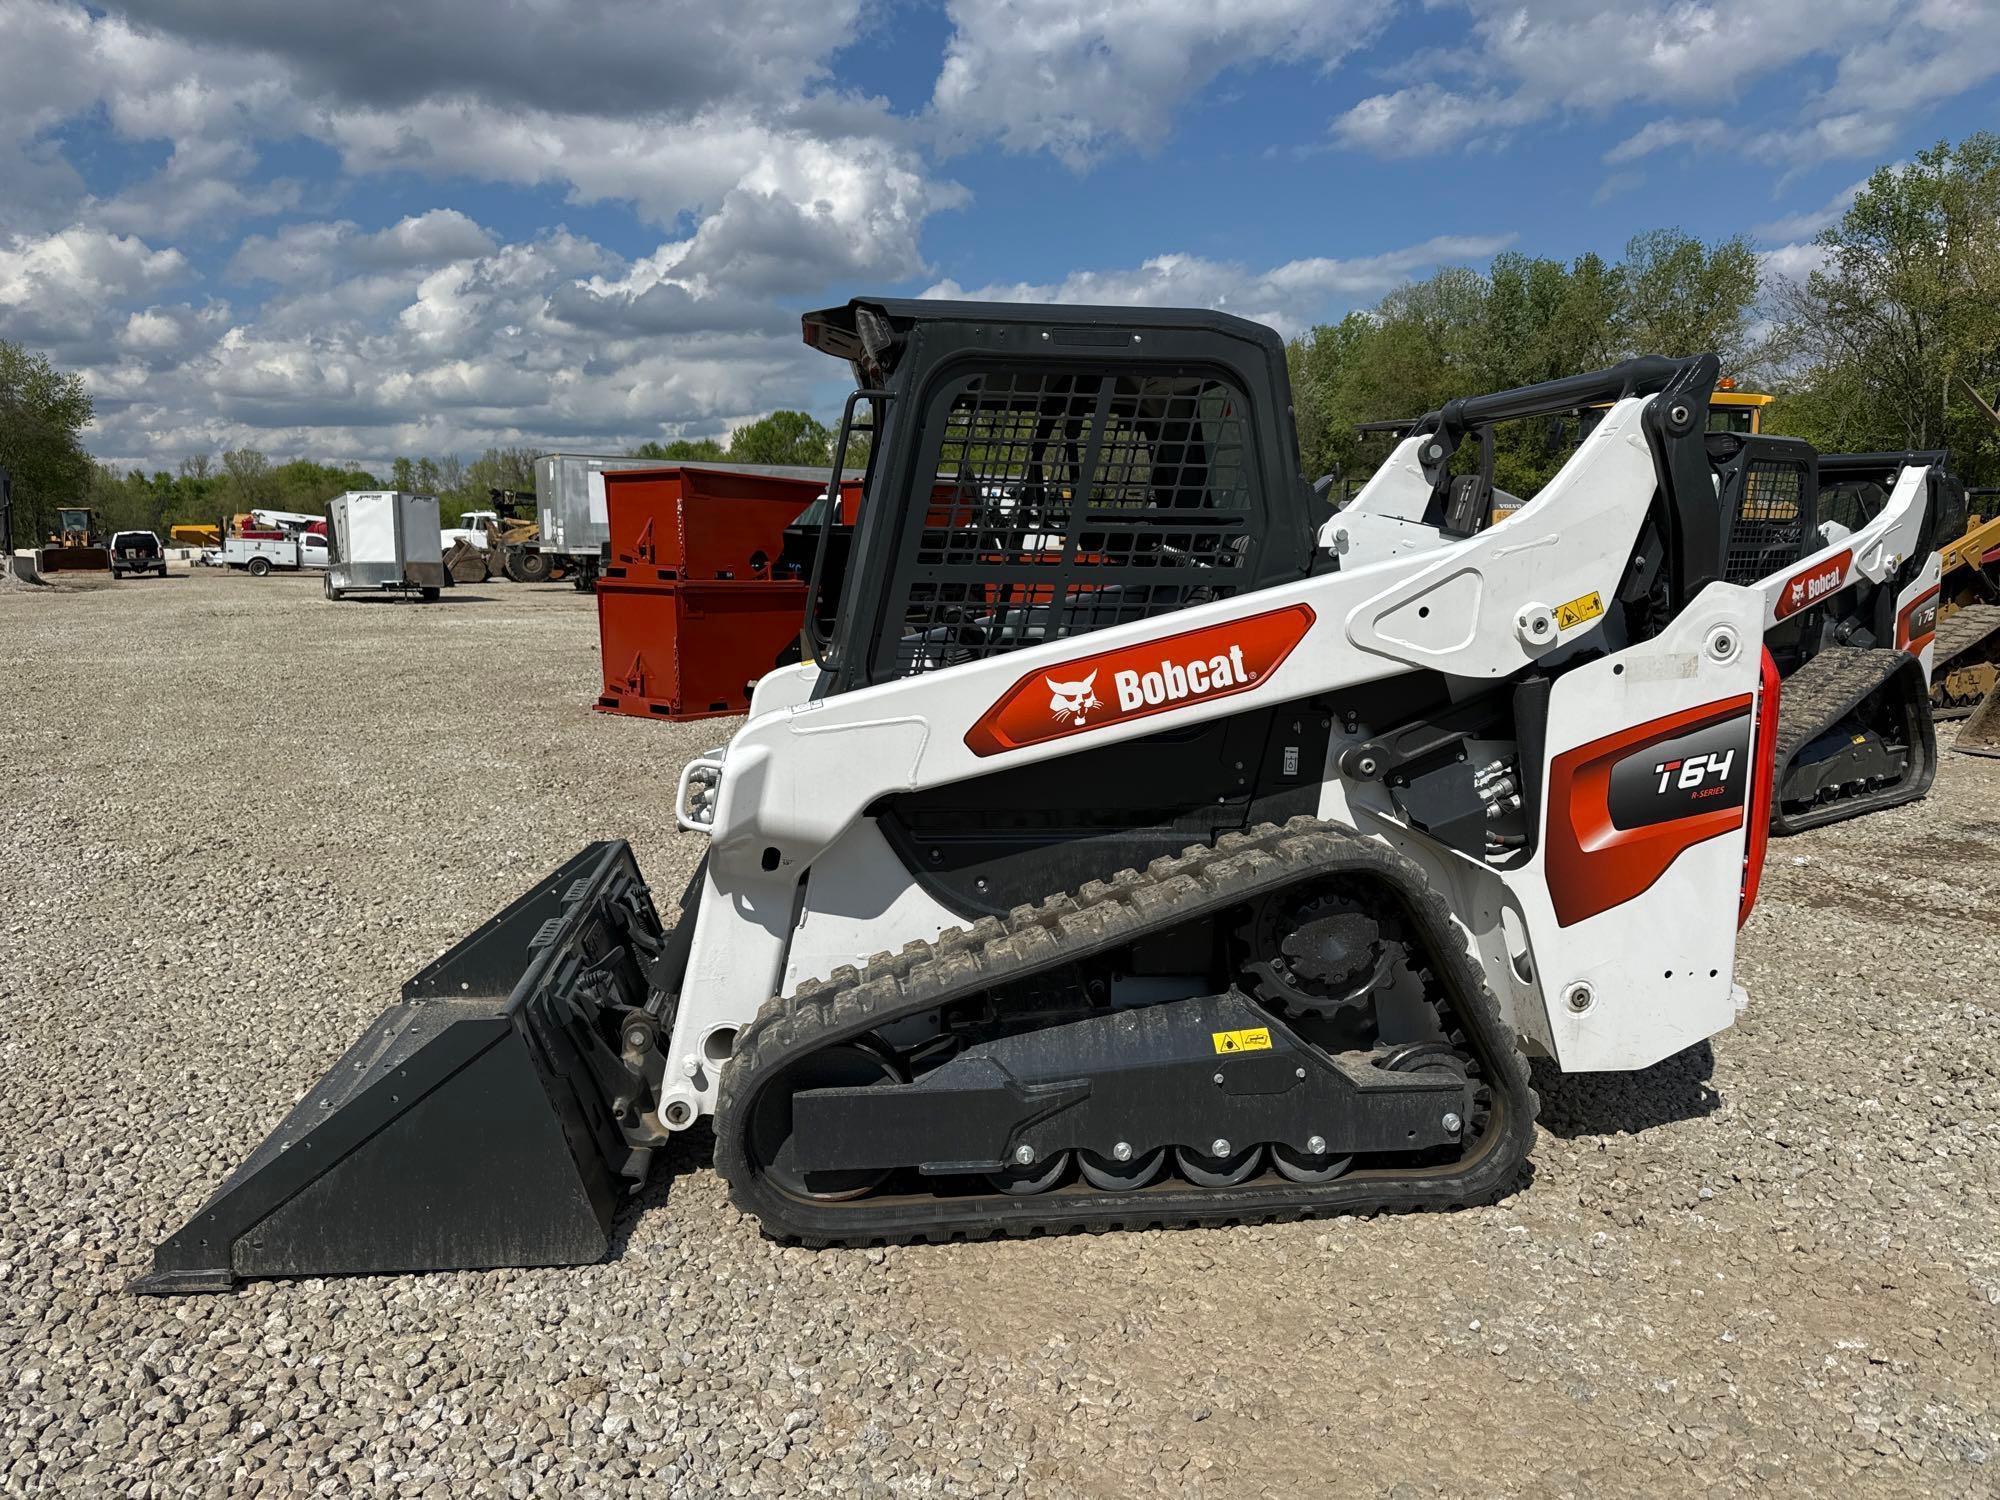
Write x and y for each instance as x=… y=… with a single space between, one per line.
x=692 y=650
x=694 y=603
x=707 y=525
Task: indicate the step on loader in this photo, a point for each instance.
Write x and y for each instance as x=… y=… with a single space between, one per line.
x=1142 y=844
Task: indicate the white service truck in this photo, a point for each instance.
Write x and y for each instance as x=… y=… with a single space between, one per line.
x=258 y=555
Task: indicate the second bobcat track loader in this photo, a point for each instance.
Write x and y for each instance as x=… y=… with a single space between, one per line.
x=1135 y=849
x=1844 y=549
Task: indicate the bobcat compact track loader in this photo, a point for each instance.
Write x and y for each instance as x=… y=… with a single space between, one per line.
x=1143 y=844
x=1844 y=549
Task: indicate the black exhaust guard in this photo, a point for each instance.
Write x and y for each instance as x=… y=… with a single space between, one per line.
x=477 y=1123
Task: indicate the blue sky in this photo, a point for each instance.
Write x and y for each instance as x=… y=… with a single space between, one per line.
x=384 y=228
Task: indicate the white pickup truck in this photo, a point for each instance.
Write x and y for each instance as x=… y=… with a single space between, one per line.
x=258 y=555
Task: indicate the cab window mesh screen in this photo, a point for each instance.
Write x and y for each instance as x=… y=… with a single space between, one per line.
x=1769 y=526
x=1066 y=501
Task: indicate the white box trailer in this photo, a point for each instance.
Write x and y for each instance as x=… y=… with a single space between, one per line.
x=385 y=541
x=569 y=500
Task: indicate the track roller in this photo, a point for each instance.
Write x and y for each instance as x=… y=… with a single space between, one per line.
x=1110 y=1175
x=1219 y=1167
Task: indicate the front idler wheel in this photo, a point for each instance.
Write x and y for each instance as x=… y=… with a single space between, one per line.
x=1111 y=1175
x=849 y=1065
x=1221 y=1168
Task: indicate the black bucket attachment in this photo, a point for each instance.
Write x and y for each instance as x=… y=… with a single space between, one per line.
x=486 y=1119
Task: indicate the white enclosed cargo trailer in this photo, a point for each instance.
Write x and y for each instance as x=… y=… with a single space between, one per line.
x=385 y=541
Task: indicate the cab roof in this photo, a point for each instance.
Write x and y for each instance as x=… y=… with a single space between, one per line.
x=837 y=330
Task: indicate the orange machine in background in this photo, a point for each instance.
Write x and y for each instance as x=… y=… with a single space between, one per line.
x=694 y=602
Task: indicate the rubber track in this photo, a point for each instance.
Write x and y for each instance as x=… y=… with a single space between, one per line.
x=1961 y=630
x=1101 y=916
x=1818 y=696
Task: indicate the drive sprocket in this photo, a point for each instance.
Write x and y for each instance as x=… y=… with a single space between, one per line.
x=1323 y=953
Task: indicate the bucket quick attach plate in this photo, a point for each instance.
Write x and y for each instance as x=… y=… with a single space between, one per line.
x=473 y=1124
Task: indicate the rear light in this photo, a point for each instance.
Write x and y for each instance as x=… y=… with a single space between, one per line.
x=1764 y=771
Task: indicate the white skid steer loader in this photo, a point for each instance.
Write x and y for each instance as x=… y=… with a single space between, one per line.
x=1140 y=846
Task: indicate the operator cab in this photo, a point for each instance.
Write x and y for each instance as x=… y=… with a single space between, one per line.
x=1036 y=473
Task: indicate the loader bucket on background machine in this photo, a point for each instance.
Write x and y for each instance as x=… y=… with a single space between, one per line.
x=75 y=560
x=471 y=1126
x=1981 y=732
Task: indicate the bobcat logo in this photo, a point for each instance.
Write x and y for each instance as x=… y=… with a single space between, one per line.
x=1070 y=701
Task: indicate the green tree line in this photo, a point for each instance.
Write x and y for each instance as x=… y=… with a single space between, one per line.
x=1526 y=319
x=1881 y=347
x=785 y=437
x=43 y=413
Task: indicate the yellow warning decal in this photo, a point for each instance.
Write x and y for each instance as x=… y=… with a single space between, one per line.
x=1574 y=613
x=1250 y=1039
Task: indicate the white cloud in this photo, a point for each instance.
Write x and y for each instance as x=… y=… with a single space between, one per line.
x=1425 y=118
x=1287 y=297
x=301 y=253
x=1531 y=60
x=159 y=334
x=617 y=58
x=429 y=333
x=1616 y=183
x=1803 y=226
x=446 y=358
x=710 y=133
x=59 y=286
x=1076 y=77
x=782 y=208
x=1665 y=135
x=1789 y=263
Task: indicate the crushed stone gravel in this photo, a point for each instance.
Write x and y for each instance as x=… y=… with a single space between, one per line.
x=234 y=817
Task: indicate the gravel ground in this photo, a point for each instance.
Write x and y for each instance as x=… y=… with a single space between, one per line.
x=237 y=817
